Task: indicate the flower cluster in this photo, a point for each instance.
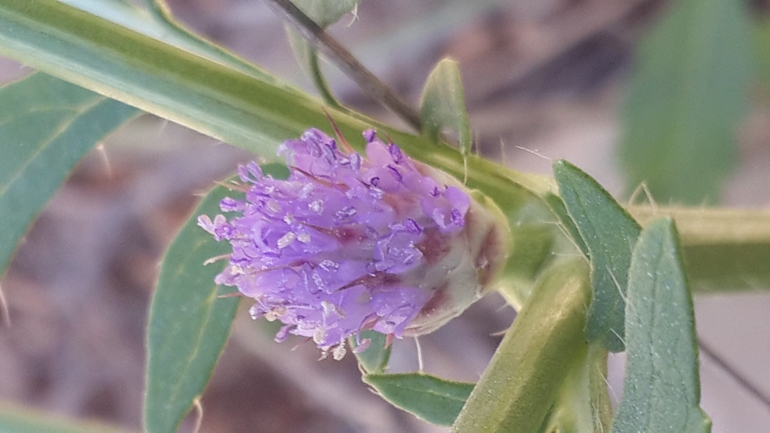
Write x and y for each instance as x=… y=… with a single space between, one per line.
x=349 y=243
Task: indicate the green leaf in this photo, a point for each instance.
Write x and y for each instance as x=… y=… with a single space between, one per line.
x=375 y=358
x=687 y=96
x=529 y=367
x=163 y=28
x=326 y=12
x=46 y=127
x=442 y=104
x=761 y=39
x=17 y=419
x=189 y=324
x=661 y=392
x=609 y=233
x=433 y=399
x=276 y=169
x=583 y=403
x=557 y=206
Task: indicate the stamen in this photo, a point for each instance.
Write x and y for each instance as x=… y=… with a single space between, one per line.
x=234 y=186
x=216 y=259
x=286 y=240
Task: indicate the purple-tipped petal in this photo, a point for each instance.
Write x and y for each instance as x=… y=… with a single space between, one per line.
x=369 y=135
x=396 y=154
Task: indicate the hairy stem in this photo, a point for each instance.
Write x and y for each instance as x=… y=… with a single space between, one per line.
x=529 y=368
x=724 y=249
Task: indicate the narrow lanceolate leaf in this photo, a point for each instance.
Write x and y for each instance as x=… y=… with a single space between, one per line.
x=528 y=370
x=687 y=96
x=157 y=25
x=662 y=390
x=557 y=206
x=433 y=399
x=609 y=233
x=442 y=104
x=375 y=358
x=189 y=323
x=15 y=419
x=46 y=127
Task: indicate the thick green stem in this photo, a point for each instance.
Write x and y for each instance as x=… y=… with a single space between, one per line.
x=583 y=404
x=724 y=249
x=710 y=226
x=529 y=368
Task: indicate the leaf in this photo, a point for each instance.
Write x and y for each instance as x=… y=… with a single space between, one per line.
x=583 y=403
x=761 y=39
x=276 y=169
x=189 y=324
x=557 y=206
x=17 y=419
x=609 y=233
x=430 y=398
x=326 y=12
x=163 y=29
x=661 y=392
x=686 y=98
x=375 y=358
x=442 y=104
x=46 y=127
x=529 y=367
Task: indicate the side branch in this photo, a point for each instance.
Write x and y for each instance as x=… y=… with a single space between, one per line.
x=345 y=61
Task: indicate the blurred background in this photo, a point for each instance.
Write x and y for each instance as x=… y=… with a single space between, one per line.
x=543 y=79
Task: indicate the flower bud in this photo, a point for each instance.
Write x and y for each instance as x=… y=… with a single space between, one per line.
x=349 y=243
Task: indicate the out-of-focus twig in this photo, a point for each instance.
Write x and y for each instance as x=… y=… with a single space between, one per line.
x=732 y=372
x=344 y=60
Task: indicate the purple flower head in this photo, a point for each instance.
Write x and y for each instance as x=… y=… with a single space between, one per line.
x=349 y=243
